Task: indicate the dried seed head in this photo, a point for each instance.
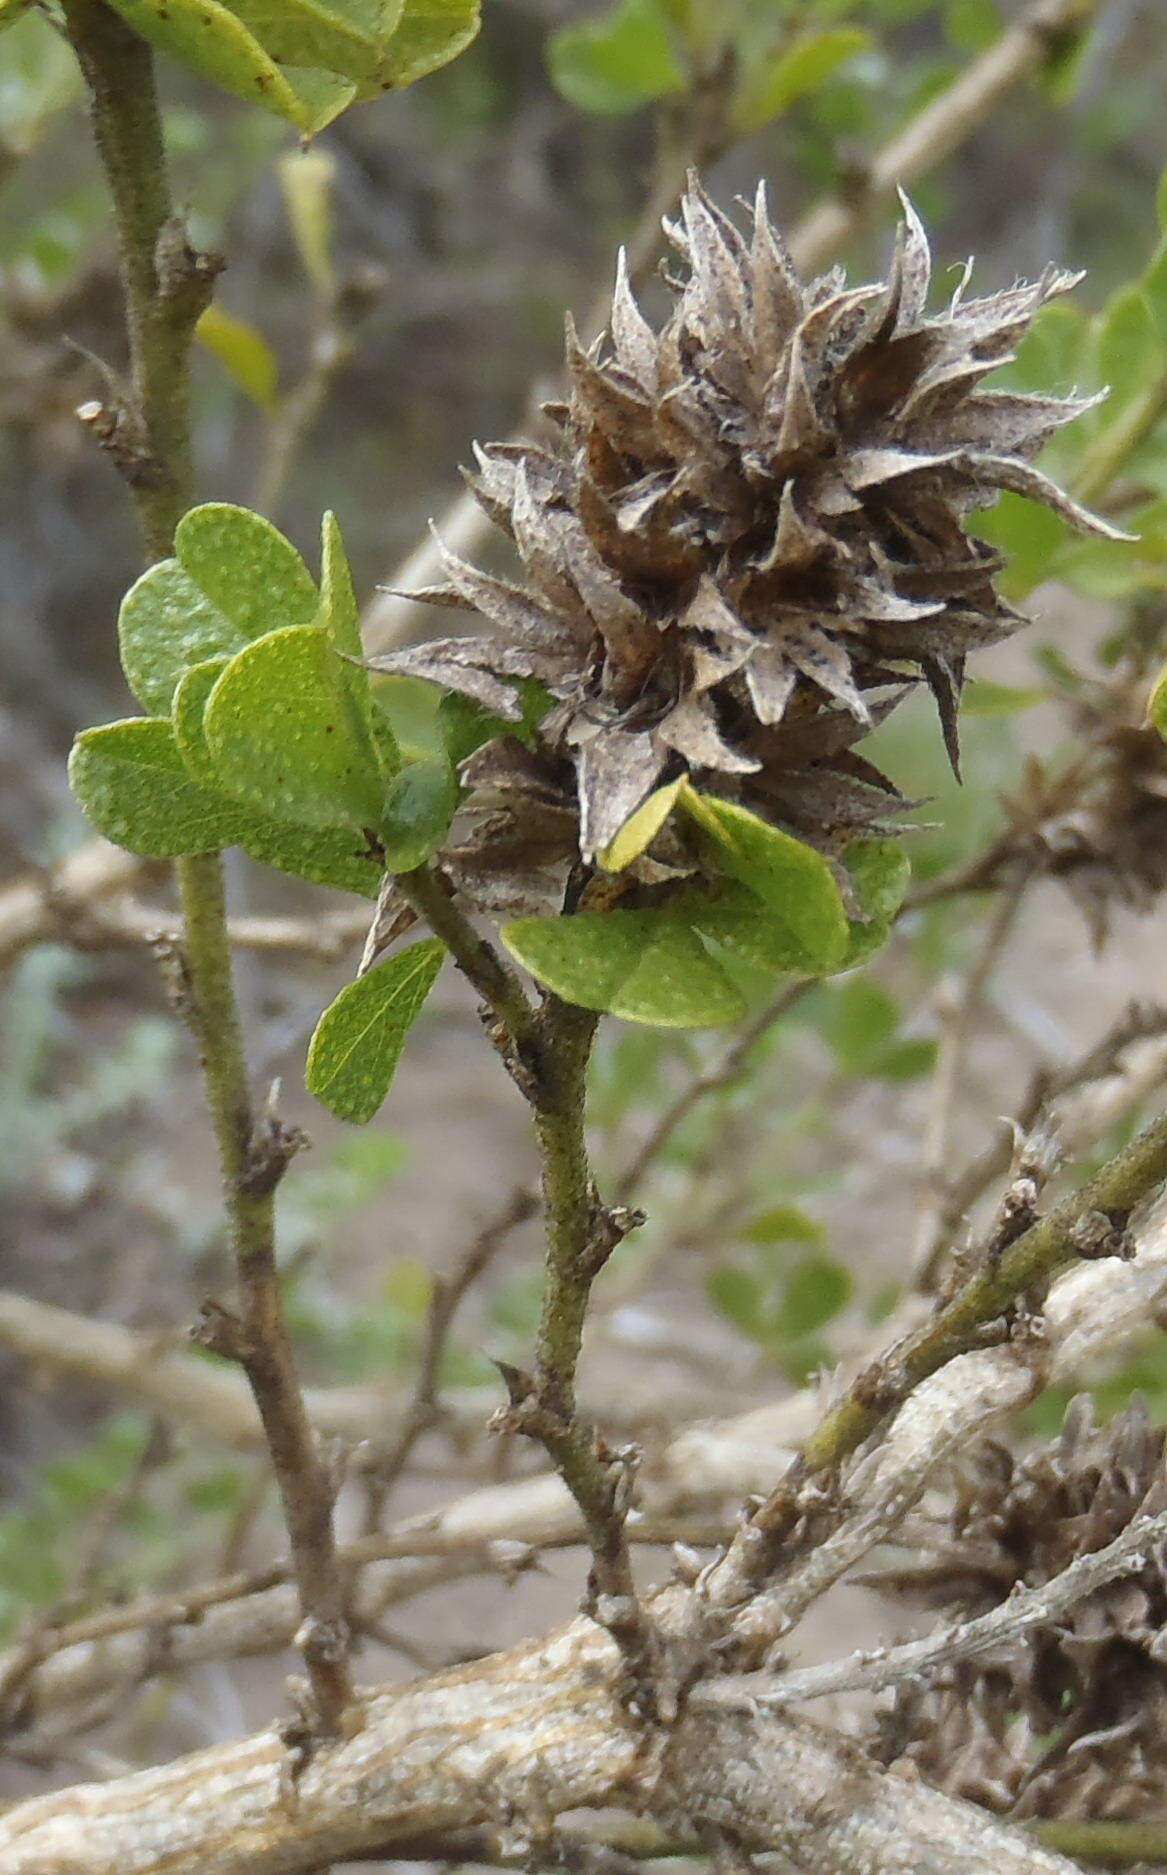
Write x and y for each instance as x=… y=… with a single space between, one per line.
x=748 y=524
x=1069 y=1722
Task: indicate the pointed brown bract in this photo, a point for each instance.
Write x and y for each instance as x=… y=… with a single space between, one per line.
x=750 y=522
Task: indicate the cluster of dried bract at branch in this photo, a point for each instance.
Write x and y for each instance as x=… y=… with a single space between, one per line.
x=746 y=542
x=1070 y=1721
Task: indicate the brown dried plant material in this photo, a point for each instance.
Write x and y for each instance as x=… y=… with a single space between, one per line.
x=749 y=523
x=1110 y=846
x=1071 y=1721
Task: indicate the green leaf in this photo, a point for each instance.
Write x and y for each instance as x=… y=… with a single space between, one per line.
x=1029 y=536
x=647 y=966
x=431 y=33
x=359 y=1038
x=617 y=61
x=465 y=725
x=243 y=352
x=774 y=85
x=327 y=856
x=234 y=578
x=641 y=827
x=784 y=1223
x=332 y=856
x=733 y=916
x=133 y=784
x=862 y=1017
x=39 y=76
x=210 y=39
x=342 y=621
x=789 y=877
x=1155 y=289
x=1128 y=351
x=739 y=1296
x=904 y=1061
x=880 y=873
x=338 y=599
x=814 y=1292
x=983 y=697
x=246 y=568
x=166 y=626
x=341 y=36
x=187 y=716
x=419 y=807
x=286 y=735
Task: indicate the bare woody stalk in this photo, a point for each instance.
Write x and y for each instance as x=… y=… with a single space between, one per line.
x=1089 y=1222
x=581 y=1234
x=166 y=285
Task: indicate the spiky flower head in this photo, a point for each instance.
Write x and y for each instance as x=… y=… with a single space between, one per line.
x=747 y=524
x=1070 y=1721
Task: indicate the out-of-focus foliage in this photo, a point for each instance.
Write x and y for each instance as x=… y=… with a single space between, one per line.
x=304 y=59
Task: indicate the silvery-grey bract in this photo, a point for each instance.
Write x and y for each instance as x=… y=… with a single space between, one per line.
x=748 y=523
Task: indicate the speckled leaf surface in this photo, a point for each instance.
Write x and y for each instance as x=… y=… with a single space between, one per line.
x=429 y=35
x=234 y=576
x=133 y=784
x=286 y=736
x=246 y=568
x=354 y=1052
x=646 y=966
x=212 y=40
x=327 y=856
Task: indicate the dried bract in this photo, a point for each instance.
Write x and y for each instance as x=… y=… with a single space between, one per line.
x=750 y=522
x=1070 y=1721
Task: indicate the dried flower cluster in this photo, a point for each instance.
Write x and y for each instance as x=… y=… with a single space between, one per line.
x=1070 y=1722
x=748 y=523
x=1109 y=846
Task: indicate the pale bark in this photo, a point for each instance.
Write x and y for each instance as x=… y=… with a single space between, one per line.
x=517 y=1739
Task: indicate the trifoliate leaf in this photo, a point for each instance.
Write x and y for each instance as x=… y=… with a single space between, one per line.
x=647 y=966
x=789 y=877
x=234 y=577
x=245 y=566
x=212 y=40
x=286 y=736
x=133 y=784
x=336 y=857
x=359 y=1037
x=430 y=34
